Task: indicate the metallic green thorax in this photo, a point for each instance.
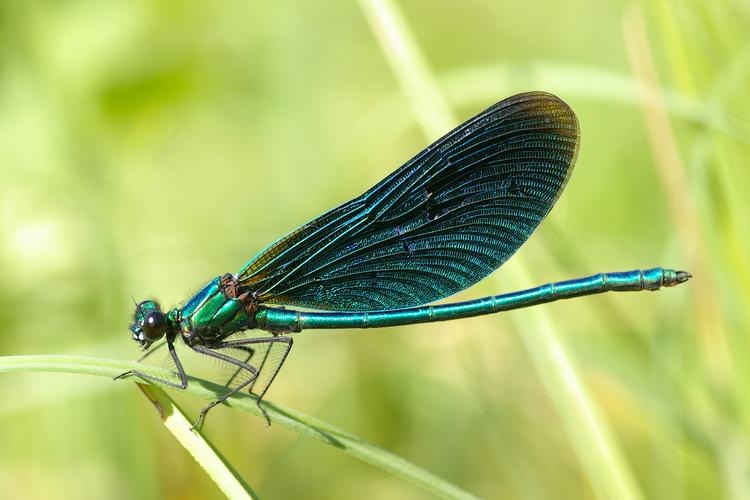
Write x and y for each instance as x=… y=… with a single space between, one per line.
x=211 y=314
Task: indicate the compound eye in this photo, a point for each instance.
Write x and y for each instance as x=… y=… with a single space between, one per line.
x=154 y=325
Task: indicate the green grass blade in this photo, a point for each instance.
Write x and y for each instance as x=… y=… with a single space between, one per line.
x=480 y=84
x=218 y=469
x=412 y=71
x=279 y=415
x=592 y=439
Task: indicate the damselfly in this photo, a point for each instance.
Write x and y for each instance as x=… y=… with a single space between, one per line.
x=443 y=221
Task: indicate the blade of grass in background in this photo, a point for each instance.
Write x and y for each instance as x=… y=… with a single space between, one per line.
x=482 y=83
x=410 y=67
x=671 y=172
x=594 y=443
x=704 y=53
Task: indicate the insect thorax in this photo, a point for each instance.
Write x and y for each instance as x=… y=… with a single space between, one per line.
x=213 y=315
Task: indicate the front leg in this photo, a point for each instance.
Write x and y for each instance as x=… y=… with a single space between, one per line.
x=180 y=371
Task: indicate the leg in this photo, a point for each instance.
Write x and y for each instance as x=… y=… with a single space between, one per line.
x=241 y=366
x=239 y=344
x=250 y=353
x=151 y=378
x=271 y=340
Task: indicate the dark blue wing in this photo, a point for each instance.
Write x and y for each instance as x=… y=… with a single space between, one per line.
x=443 y=221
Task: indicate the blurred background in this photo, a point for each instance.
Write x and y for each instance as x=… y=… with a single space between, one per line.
x=146 y=147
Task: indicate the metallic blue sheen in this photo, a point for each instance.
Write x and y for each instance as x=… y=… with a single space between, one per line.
x=443 y=221
x=200 y=297
x=283 y=320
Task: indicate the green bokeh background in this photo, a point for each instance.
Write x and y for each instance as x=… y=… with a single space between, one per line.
x=146 y=147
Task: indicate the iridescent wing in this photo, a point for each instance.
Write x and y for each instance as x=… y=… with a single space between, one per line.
x=443 y=221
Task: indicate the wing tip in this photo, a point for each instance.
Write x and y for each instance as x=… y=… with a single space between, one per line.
x=562 y=119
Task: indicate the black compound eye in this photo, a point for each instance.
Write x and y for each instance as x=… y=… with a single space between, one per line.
x=154 y=325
